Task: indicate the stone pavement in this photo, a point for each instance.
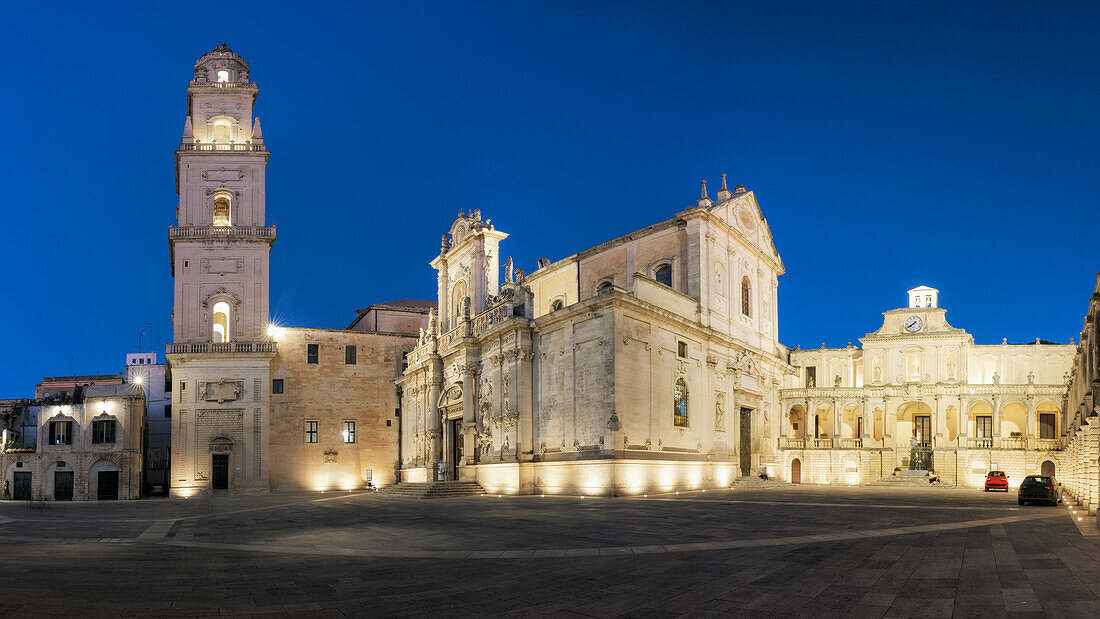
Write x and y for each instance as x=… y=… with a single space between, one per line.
x=782 y=551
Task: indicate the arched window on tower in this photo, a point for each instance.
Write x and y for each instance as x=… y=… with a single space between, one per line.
x=663 y=275
x=220 y=323
x=221 y=131
x=221 y=211
x=746 y=296
x=557 y=305
x=458 y=295
x=680 y=404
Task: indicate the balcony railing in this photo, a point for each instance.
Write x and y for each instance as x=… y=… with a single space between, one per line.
x=851 y=443
x=1013 y=443
x=979 y=443
x=203 y=232
x=1048 y=443
x=221 y=347
x=822 y=443
x=792 y=443
x=214 y=146
x=198 y=84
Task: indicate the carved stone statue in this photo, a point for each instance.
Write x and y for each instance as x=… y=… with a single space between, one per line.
x=431 y=321
x=719 y=413
x=996 y=378
x=1031 y=378
x=466 y=307
x=837 y=381
x=508 y=271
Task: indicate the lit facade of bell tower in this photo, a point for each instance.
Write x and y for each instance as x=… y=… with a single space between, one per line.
x=219 y=251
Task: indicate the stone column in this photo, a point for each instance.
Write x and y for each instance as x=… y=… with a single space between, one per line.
x=435 y=421
x=996 y=422
x=446 y=457
x=525 y=423
x=941 y=423
x=868 y=420
x=1031 y=431
x=469 y=425
x=837 y=422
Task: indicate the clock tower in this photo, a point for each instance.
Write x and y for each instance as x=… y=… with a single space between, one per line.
x=219 y=255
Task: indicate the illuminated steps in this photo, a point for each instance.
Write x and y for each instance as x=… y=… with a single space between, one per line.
x=433 y=489
x=905 y=481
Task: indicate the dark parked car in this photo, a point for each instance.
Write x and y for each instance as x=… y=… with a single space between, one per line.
x=1038 y=488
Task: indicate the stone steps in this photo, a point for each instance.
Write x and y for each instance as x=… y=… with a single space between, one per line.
x=905 y=482
x=433 y=489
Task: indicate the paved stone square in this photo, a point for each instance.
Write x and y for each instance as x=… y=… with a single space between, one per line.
x=774 y=551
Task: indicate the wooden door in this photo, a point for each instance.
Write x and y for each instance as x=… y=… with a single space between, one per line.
x=22 y=489
x=922 y=430
x=107 y=486
x=63 y=485
x=220 y=478
x=746 y=442
x=796 y=471
x=456 y=437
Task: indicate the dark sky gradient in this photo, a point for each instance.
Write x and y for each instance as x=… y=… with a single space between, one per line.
x=890 y=144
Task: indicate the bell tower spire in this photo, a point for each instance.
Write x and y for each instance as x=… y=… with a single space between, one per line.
x=219 y=251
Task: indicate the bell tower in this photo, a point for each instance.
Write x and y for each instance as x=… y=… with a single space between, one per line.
x=219 y=255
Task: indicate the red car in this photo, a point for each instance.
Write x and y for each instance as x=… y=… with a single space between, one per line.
x=996 y=480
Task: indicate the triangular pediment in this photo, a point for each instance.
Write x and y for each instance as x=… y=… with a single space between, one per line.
x=742 y=213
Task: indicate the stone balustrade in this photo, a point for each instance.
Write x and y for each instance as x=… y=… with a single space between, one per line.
x=492 y=316
x=202 y=232
x=851 y=443
x=979 y=443
x=229 y=147
x=221 y=347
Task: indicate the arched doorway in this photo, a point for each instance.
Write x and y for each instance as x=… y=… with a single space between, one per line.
x=1047 y=468
x=796 y=471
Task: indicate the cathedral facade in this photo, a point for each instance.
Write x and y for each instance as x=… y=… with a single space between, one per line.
x=649 y=363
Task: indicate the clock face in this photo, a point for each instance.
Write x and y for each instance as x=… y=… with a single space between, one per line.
x=913 y=324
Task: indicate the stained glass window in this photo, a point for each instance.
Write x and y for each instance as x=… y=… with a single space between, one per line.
x=680 y=403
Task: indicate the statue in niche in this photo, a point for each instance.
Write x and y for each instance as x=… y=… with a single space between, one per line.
x=1031 y=378
x=996 y=378
x=508 y=271
x=837 y=381
x=876 y=371
x=719 y=412
x=810 y=381
x=466 y=307
x=951 y=369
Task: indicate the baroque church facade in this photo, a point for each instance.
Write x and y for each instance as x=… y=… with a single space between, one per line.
x=648 y=363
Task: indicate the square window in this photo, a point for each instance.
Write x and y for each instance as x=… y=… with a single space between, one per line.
x=682 y=349
x=312 y=353
x=183 y=385
x=276 y=385
x=349 y=432
x=349 y=355
x=103 y=431
x=61 y=433
x=311 y=431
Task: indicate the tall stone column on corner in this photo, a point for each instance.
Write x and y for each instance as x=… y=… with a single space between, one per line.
x=469 y=423
x=435 y=420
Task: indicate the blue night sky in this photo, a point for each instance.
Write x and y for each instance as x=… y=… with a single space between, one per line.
x=890 y=144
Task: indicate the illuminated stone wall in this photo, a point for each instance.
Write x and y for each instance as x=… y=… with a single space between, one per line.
x=332 y=392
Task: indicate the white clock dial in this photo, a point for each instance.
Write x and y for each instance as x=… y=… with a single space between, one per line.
x=913 y=324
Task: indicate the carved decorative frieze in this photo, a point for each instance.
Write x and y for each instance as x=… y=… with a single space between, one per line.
x=221 y=391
